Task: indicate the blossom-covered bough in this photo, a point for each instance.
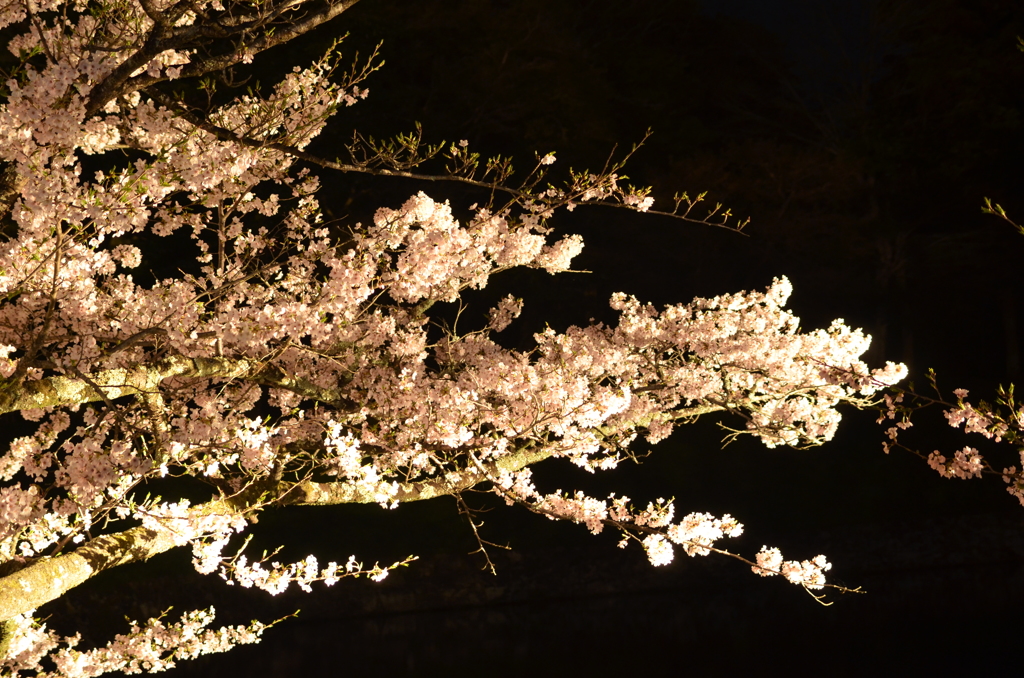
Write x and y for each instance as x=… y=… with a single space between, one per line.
x=1001 y=421
x=294 y=362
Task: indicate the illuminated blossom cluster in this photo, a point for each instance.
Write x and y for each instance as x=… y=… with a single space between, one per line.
x=150 y=647
x=808 y=573
x=696 y=533
x=277 y=578
x=966 y=463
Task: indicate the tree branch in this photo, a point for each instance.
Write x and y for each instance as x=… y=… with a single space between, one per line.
x=50 y=578
x=227 y=135
x=120 y=82
x=139 y=381
x=224 y=134
x=309 y=493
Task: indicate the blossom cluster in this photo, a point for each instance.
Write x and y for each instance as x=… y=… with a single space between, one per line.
x=965 y=463
x=150 y=647
x=277 y=578
x=808 y=573
x=1002 y=422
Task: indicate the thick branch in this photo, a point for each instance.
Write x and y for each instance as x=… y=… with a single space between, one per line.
x=138 y=381
x=113 y=85
x=50 y=578
x=119 y=81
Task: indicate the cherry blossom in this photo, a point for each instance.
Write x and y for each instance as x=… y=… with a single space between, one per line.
x=296 y=362
x=1000 y=422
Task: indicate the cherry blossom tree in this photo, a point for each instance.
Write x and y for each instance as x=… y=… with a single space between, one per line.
x=295 y=362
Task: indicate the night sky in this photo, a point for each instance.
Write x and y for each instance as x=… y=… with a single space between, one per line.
x=861 y=139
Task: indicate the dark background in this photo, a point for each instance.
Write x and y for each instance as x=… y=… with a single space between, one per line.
x=861 y=138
